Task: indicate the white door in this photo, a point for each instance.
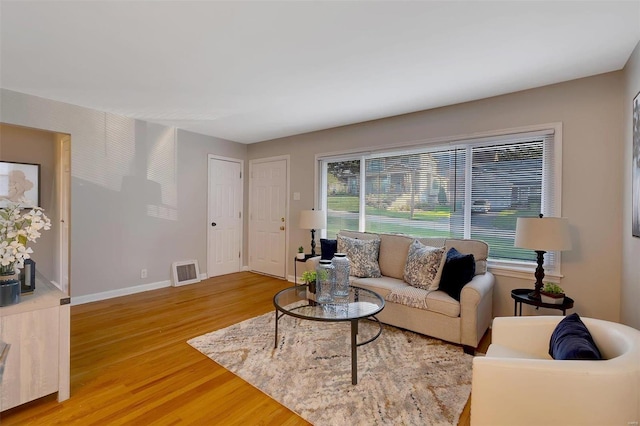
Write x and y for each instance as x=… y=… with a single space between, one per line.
x=267 y=222
x=224 y=239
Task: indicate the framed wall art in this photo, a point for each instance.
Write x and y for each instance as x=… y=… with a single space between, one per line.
x=635 y=169
x=18 y=180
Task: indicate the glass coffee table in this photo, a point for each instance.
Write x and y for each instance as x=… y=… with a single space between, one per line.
x=359 y=304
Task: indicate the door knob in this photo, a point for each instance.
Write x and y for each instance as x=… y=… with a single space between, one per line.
x=213 y=224
x=282 y=228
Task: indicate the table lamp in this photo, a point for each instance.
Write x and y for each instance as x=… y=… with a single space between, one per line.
x=312 y=219
x=542 y=234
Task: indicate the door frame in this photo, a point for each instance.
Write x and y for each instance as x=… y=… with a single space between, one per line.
x=63 y=197
x=241 y=233
x=287 y=159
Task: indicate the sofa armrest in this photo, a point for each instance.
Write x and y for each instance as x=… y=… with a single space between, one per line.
x=476 y=308
x=312 y=263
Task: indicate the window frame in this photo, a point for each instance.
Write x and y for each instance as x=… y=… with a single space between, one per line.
x=510 y=268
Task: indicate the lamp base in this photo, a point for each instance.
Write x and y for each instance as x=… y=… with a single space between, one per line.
x=535 y=294
x=313 y=243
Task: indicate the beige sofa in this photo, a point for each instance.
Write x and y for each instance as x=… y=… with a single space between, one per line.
x=441 y=316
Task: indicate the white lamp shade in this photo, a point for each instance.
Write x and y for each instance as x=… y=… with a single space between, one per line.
x=312 y=219
x=543 y=233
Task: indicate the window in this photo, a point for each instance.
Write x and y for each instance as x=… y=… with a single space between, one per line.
x=463 y=189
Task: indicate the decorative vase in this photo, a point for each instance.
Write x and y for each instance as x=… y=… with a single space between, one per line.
x=342 y=267
x=325 y=282
x=552 y=298
x=9 y=288
x=300 y=256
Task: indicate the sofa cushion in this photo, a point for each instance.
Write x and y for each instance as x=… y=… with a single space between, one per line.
x=383 y=285
x=424 y=266
x=571 y=340
x=479 y=250
x=393 y=254
x=440 y=302
x=409 y=296
x=433 y=301
x=363 y=255
x=458 y=270
x=328 y=248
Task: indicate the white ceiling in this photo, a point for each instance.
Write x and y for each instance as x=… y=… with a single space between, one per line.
x=254 y=71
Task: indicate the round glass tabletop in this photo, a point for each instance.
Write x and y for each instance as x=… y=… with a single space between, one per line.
x=299 y=302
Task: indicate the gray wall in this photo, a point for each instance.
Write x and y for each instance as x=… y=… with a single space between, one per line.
x=138 y=192
x=590 y=110
x=630 y=294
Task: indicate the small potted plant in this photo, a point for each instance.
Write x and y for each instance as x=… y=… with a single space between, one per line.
x=309 y=278
x=300 y=254
x=552 y=293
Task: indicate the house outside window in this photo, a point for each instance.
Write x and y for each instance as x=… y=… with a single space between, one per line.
x=468 y=189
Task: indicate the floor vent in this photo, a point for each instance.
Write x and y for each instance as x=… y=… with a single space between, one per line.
x=185 y=272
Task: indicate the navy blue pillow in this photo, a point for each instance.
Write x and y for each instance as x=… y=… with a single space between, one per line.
x=458 y=270
x=571 y=340
x=328 y=248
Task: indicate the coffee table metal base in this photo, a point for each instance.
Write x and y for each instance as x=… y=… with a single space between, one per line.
x=354 y=341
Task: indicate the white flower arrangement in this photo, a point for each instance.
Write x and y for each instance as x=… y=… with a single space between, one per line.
x=16 y=230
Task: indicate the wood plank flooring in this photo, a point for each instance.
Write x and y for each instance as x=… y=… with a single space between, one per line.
x=130 y=363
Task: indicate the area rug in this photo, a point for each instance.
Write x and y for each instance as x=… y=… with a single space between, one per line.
x=403 y=377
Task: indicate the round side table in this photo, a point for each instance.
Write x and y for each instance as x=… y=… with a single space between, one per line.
x=521 y=295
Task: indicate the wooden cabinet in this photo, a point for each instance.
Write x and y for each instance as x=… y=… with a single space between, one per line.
x=38 y=330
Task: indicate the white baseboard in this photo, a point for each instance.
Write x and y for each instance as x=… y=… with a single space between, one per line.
x=79 y=300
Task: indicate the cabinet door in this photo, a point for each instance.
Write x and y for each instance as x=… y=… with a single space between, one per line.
x=31 y=370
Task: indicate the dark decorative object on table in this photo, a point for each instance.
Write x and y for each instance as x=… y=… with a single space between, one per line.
x=28 y=277
x=9 y=288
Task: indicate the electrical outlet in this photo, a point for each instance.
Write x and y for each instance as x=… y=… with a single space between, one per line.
x=143 y=273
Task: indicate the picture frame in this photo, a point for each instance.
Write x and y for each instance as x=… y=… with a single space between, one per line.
x=19 y=180
x=635 y=169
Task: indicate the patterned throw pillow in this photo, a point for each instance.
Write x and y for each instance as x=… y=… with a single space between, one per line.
x=363 y=255
x=424 y=266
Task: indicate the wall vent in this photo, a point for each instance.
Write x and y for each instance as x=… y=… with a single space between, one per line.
x=185 y=272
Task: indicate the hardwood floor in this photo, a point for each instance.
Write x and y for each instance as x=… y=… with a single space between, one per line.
x=130 y=363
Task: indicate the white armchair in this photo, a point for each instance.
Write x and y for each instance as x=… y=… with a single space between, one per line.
x=518 y=383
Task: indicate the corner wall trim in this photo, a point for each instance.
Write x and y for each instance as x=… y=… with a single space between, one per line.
x=79 y=300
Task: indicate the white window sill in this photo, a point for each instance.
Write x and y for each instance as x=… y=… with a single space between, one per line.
x=521 y=270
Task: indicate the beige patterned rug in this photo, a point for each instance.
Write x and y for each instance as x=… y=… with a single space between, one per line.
x=403 y=377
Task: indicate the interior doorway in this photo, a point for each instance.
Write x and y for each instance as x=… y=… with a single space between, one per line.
x=268 y=205
x=52 y=152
